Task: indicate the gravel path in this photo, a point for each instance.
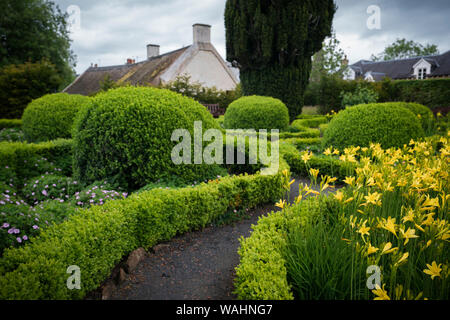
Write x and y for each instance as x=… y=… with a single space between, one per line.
x=196 y=266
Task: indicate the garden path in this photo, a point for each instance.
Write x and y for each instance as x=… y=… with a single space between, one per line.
x=195 y=266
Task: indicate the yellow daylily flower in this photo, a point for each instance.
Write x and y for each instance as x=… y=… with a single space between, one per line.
x=408 y=234
x=434 y=270
x=339 y=196
x=381 y=293
x=363 y=230
x=388 y=249
x=350 y=181
x=371 y=250
x=314 y=172
x=328 y=152
x=403 y=258
x=306 y=157
x=281 y=204
x=373 y=198
x=389 y=225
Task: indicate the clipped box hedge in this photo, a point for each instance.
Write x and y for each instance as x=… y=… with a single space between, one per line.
x=10 y=123
x=262 y=273
x=309 y=123
x=20 y=158
x=326 y=165
x=96 y=239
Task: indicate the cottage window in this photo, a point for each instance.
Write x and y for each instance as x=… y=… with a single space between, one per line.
x=422 y=73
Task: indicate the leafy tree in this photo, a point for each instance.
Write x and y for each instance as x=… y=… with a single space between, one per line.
x=20 y=84
x=361 y=95
x=329 y=61
x=272 y=42
x=402 y=49
x=32 y=30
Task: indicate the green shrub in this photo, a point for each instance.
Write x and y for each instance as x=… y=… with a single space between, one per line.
x=326 y=165
x=256 y=112
x=20 y=84
x=433 y=93
x=98 y=238
x=424 y=114
x=11 y=135
x=10 y=123
x=378 y=123
x=22 y=161
x=360 y=96
x=310 y=123
x=262 y=273
x=126 y=133
x=51 y=117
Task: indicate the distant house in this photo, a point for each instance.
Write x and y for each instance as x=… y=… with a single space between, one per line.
x=200 y=61
x=437 y=66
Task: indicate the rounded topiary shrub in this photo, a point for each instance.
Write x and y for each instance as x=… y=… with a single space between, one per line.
x=423 y=113
x=389 y=125
x=51 y=117
x=256 y=112
x=125 y=134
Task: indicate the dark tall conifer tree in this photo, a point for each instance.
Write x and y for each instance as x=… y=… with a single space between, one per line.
x=273 y=41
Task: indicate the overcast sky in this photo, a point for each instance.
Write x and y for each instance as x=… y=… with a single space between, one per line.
x=110 y=31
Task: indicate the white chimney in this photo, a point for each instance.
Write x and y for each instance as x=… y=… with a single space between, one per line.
x=202 y=33
x=152 y=51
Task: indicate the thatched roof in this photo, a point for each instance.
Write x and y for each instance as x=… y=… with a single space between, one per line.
x=141 y=73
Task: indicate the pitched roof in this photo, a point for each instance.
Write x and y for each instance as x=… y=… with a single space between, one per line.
x=403 y=68
x=140 y=73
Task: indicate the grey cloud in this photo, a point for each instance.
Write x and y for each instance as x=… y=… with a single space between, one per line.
x=113 y=30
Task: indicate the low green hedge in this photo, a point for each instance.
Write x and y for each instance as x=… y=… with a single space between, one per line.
x=304 y=143
x=309 y=123
x=327 y=165
x=97 y=239
x=262 y=273
x=20 y=160
x=10 y=123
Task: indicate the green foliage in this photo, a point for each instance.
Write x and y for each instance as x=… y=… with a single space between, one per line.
x=262 y=273
x=330 y=60
x=322 y=272
x=183 y=85
x=43 y=188
x=97 y=239
x=313 y=122
x=326 y=165
x=433 y=93
x=20 y=161
x=11 y=135
x=424 y=114
x=257 y=113
x=273 y=43
x=20 y=84
x=361 y=125
x=126 y=133
x=10 y=123
x=359 y=96
x=33 y=30
x=402 y=49
x=51 y=117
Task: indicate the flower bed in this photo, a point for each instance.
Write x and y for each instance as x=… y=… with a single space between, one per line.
x=391 y=217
